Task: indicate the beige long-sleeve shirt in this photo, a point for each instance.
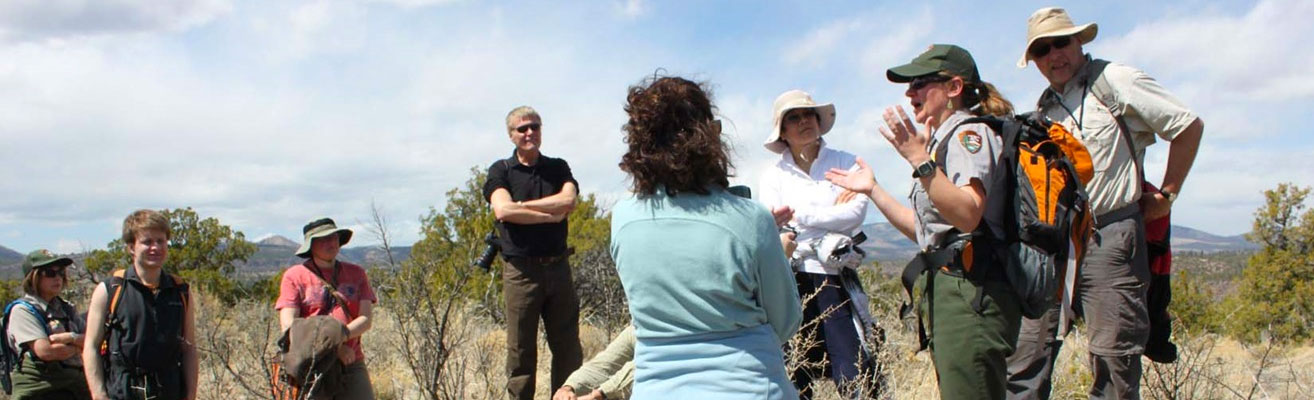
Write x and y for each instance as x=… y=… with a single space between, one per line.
x=611 y=371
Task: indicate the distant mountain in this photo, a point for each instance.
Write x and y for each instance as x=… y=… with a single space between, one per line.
x=884 y=243
x=277 y=252
x=278 y=241
x=1188 y=239
x=9 y=256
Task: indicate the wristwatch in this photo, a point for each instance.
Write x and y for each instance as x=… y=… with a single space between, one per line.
x=926 y=168
x=1171 y=196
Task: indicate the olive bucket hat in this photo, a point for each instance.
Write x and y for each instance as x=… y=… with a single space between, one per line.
x=939 y=57
x=43 y=258
x=319 y=228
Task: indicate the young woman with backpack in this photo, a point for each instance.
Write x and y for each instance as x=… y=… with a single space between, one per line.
x=969 y=312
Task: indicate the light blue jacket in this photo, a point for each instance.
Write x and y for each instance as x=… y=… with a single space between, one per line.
x=697 y=264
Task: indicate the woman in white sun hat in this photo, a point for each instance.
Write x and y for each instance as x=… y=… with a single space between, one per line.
x=796 y=191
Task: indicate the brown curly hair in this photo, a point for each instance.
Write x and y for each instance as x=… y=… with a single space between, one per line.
x=674 y=138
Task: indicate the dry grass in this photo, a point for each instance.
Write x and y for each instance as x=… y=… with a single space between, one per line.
x=237 y=341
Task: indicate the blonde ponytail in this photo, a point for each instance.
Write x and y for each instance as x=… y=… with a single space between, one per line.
x=991 y=101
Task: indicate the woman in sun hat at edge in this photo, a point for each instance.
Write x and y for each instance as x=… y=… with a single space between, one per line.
x=303 y=293
x=796 y=190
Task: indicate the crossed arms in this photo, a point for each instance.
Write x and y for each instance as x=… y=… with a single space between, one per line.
x=545 y=210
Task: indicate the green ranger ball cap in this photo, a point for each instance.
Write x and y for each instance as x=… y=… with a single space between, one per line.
x=42 y=258
x=939 y=57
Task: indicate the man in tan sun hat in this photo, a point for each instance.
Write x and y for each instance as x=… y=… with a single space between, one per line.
x=323 y=285
x=1117 y=111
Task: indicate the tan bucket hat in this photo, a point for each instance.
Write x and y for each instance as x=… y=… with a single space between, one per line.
x=796 y=99
x=318 y=228
x=1054 y=22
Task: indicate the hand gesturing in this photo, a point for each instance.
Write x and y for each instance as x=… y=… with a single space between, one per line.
x=860 y=180
x=909 y=141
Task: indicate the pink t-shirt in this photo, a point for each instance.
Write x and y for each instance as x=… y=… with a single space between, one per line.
x=302 y=289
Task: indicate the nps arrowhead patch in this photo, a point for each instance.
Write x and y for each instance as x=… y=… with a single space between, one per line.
x=971 y=141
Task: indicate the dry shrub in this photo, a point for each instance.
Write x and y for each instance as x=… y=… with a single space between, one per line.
x=235 y=344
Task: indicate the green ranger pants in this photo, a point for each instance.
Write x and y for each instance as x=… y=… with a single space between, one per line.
x=970 y=348
x=48 y=380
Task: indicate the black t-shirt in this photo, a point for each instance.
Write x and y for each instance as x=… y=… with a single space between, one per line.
x=525 y=182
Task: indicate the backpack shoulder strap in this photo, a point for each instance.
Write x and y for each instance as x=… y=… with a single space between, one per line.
x=183 y=289
x=942 y=148
x=1104 y=92
x=12 y=357
x=114 y=288
x=31 y=309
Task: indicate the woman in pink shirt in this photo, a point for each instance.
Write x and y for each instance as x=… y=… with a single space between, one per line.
x=308 y=289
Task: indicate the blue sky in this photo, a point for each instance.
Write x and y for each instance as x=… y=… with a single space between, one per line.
x=266 y=114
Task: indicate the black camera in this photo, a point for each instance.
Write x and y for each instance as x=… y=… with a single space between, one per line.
x=485 y=260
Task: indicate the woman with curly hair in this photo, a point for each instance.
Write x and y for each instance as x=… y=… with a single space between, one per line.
x=709 y=288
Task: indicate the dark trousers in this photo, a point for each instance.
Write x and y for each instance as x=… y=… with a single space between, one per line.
x=534 y=291
x=838 y=346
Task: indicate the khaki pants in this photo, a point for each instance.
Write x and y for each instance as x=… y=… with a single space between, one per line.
x=534 y=291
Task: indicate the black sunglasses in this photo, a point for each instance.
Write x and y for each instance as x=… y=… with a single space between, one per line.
x=53 y=272
x=1042 y=49
x=525 y=128
x=921 y=82
x=795 y=117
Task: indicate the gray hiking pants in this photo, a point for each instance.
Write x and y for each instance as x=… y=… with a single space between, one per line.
x=1111 y=296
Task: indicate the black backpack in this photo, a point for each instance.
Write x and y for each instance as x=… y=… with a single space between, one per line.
x=1037 y=206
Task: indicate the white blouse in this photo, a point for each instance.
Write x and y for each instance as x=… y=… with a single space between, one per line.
x=813 y=199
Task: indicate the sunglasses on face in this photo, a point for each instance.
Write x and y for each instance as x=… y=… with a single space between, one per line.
x=1042 y=49
x=525 y=128
x=798 y=117
x=919 y=83
x=52 y=272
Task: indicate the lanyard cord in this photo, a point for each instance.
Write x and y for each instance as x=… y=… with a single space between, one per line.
x=1081 y=108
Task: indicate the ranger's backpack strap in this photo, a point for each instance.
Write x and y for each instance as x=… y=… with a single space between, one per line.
x=13 y=360
x=995 y=123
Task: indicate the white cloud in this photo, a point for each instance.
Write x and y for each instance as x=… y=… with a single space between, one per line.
x=24 y=20
x=898 y=41
x=815 y=48
x=69 y=246
x=416 y=3
x=633 y=8
x=1259 y=56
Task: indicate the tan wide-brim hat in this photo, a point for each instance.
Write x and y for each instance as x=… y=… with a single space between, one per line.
x=792 y=100
x=1053 y=22
x=318 y=228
